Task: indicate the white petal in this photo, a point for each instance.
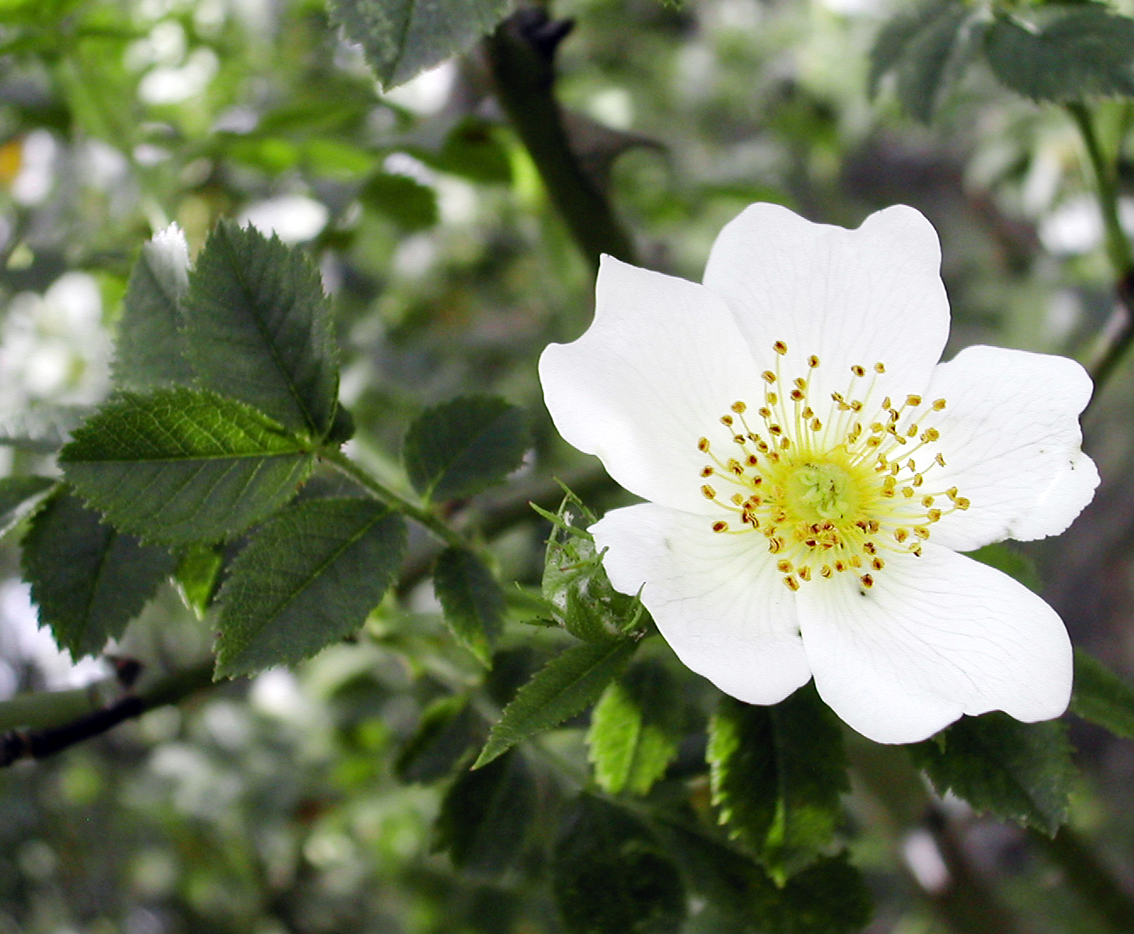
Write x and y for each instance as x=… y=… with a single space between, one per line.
x=847 y=296
x=717 y=598
x=935 y=637
x=1010 y=436
x=657 y=369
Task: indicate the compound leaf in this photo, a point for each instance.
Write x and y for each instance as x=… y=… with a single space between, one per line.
x=472 y=600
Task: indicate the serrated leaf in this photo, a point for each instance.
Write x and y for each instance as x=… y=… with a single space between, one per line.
x=1102 y=697
x=1017 y=771
x=18 y=498
x=88 y=580
x=150 y=350
x=258 y=328
x=485 y=816
x=610 y=876
x=407 y=202
x=443 y=740
x=921 y=46
x=635 y=730
x=308 y=577
x=562 y=688
x=1064 y=53
x=472 y=600
x=183 y=465
x=402 y=38
x=464 y=446
x=776 y=774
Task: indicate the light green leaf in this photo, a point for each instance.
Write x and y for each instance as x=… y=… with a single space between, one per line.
x=610 y=876
x=635 y=730
x=562 y=688
x=19 y=496
x=776 y=775
x=198 y=574
x=463 y=446
x=150 y=350
x=1102 y=697
x=444 y=740
x=88 y=580
x=402 y=38
x=472 y=600
x=259 y=330
x=1064 y=52
x=309 y=576
x=485 y=816
x=1017 y=771
x=184 y=465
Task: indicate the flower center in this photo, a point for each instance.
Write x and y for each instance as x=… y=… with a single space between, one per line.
x=835 y=490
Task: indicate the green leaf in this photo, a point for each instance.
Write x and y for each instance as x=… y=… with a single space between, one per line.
x=609 y=875
x=309 y=576
x=485 y=816
x=463 y=446
x=87 y=579
x=444 y=740
x=635 y=730
x=19 y=496
x=259 y=329
x=402 y=38
x=776 y=775
x=1017 y=771
x=923 y=46
x=410 y=204
x=472 y=600
x=151 y=350
x=562 y=688
x=1016 y=565
x=198 y=574
x=1065 y=52
x=183 y=465
x=1102 y=697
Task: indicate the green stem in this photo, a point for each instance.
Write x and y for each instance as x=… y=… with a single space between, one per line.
x=1084 y=873
x=49 y=708
x=1106 y=184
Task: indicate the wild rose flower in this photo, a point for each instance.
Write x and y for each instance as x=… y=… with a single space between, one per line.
x=812 y=472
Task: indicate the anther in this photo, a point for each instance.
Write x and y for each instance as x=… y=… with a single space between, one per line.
x=780 y=347
x=720 y=526
x=939 y=459
x=867 y=580
x=913 y=401
x=797 y=395
x=707 y=471
x=792 y=583
x=769 y=377
x=784 y=567
x=858 y=370
x=938 y=405
x=739 y=407
x=708 y=492
x=805 y=573
x=813 y=361
x=879 y=368
x=703 y=444
x=726 y=420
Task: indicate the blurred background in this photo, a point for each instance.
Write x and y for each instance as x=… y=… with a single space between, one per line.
x=274 y=805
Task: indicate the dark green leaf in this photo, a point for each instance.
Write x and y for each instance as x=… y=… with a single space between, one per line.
x=183 y=465
x=1102 y=697
x=445 y=739
x=309 y=576
x=562 y=688
x=777 y=773
x=1064 y=53
x=150 y=350
x=472 y=600
x=259 y=330
x=1004 y=557
x=635 y=729
x=485 y=816
x=411 y=205
x=463 y=446
x=922 y=45
x=1017 y=771
x=87 y=579
x=18 y=497
x=610 y=876
x=402 y=38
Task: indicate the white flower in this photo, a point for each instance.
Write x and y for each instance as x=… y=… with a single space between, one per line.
x=812 y=472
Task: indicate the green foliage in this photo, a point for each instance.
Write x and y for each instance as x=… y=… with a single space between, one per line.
x=635 y=729
x=309 y=576
x=1102 y=697
x=404 y=37
x=444 y=740
x=18 y=497
x=198 y=574
x=565 y=686
x=87 y=579
x=150 y=350
x=486 y=815
x=464 y=446
x=1005 y=558
x=776 y=774
x=610 y=876
x=410 y=204
x=258 y=328
x=1064 y=52
x=472 y=600
x=1017 y=771
x=182 y=465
